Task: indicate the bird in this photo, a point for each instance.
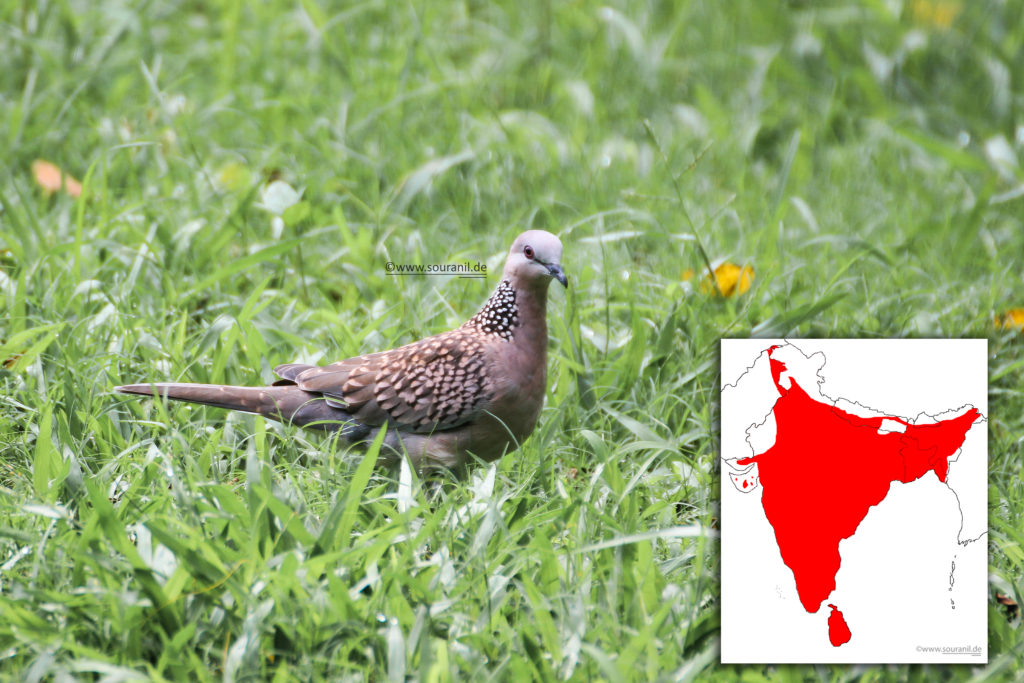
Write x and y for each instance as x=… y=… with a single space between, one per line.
x=474 y=391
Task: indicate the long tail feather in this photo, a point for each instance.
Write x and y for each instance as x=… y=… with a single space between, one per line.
x=259 y=400
x=285 y=403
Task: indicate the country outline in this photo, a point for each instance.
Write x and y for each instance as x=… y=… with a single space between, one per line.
x=831 y=400
x=820 y=381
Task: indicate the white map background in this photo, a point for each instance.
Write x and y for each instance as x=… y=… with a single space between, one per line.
x=894 y=585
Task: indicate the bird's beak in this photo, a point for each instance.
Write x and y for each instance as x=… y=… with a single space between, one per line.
x=556 y=272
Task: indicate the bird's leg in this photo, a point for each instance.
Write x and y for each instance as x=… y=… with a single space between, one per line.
x=438 y=481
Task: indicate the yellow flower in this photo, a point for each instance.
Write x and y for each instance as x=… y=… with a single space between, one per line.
x=1012 y=320
x=732 y=280
x=233 y=176
x=937 y=13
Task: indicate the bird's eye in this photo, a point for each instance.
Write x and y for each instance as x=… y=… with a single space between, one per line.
x=528 y=252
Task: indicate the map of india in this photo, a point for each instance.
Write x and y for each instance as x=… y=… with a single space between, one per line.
x=830 y=462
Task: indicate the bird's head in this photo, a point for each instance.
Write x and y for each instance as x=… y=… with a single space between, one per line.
x=535 y=258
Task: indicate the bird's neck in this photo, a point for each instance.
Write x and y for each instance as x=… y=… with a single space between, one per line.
x=514 y=314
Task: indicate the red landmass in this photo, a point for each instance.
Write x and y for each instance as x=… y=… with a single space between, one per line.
x=838 y=631
x=816 y=442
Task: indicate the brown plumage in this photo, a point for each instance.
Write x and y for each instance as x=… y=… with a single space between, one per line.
x=477 y=389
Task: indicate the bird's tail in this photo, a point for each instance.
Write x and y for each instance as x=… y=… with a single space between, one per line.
x=285 y=403
x=265 y=401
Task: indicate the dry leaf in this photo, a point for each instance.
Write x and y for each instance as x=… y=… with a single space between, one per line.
x=732 y=280
x=1010 y=605
x=51 y=179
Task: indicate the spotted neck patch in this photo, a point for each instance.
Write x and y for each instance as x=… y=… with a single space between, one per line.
x=500 y=315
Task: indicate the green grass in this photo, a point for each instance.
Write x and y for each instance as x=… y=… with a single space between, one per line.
x=850 y=152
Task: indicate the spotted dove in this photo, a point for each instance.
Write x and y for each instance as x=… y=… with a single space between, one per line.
x=477 y=389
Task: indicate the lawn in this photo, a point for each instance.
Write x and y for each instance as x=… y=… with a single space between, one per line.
x=247 y=170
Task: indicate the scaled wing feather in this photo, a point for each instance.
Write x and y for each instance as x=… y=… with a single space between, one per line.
x=431 y=385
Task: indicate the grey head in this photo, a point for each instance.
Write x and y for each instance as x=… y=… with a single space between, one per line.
x=534 y=260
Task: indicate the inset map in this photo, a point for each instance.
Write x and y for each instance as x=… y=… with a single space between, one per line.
x=854 y=501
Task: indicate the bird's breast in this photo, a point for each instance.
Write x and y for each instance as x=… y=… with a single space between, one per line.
x=519 y=392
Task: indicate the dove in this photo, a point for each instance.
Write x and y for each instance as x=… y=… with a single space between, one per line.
x=474 y=391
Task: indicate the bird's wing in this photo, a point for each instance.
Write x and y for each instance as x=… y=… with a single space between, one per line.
x=434 y=384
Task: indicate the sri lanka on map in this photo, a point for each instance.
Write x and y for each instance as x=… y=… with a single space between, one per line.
x=854 y=510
